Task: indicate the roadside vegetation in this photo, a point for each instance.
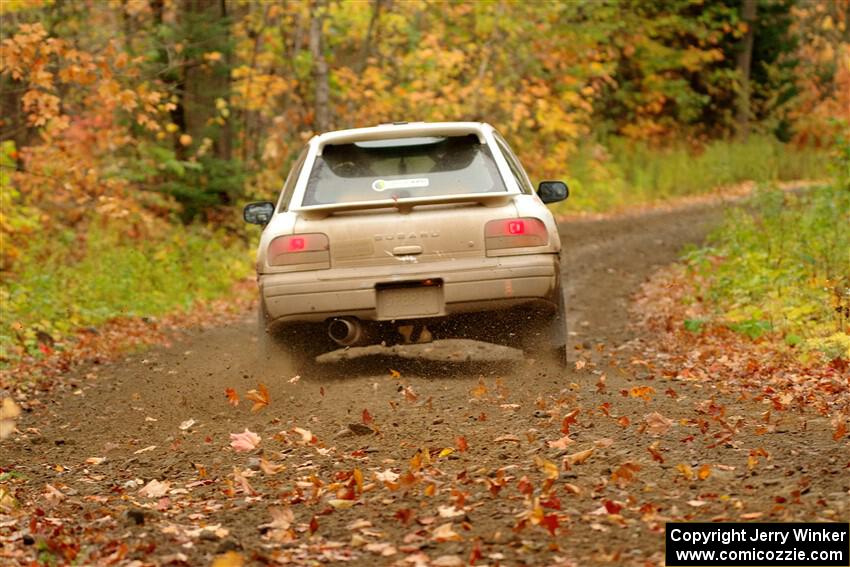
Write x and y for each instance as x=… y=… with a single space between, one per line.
x=782 y=267
x=132 y=133
x=621 y=173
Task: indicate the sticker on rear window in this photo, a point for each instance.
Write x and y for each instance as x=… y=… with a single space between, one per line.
x=383 y=184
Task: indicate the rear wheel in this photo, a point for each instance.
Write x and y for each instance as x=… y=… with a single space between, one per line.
x=286 y=350
x=546 y=335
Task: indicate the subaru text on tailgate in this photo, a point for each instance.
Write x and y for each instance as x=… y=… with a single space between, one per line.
x=407 y=232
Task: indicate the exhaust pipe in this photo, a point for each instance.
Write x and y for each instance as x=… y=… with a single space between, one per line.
x=346 y=331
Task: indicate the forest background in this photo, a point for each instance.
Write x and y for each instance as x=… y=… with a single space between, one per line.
x=132 y=131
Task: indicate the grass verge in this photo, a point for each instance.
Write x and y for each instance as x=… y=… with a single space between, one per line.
x=66 y=282
x=623 y=174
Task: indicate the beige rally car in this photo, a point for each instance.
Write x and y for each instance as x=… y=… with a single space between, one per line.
x=409 y=232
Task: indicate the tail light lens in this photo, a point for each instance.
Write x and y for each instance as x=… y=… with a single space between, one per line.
x=300 y=251
x=515 y=233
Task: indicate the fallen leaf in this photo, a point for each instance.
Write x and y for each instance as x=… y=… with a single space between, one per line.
x=654 y=451
x=187 y=424
x=568 y=420
x=260 y=397
x=295 y=379
x=580 y=363
x=409 y=394
x=561 y=443
x=751 y=515
x=154 y=489
x=9 y=412
x=704 y=472
x=625 y=474
x=339 y=504
x=367 y=417
x=271 y=468
x=446 y=452
x=643 y=392
x=445 y=533
x=383 y=549
x=306 y=434
x=613 y=507
x=386 y=476
x=245 y=441
x=145 y=450
x=511 y=438
x=280 y=528
x=53 y=494
x=697 y=503
x=686 y=471
x=578 y=458
x=229 y=559
x=548 y=468
x=449 y=512
x=657 y=424
x=840 y=431
x=232 y=397
x=550 y=522
x=461 y=444
x=479 y=390
x=95 y=460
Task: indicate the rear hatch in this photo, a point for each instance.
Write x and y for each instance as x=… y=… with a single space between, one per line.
x=404 y=200
x=428 y=233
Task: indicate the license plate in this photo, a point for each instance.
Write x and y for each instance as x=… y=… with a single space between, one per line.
x=417 y=301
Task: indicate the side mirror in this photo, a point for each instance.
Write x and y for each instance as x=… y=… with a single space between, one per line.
x=258 y=213
x=553 y=191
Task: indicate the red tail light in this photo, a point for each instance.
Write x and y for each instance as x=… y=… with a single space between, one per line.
x=515 y=233
x=516 y=227
x=302 y=251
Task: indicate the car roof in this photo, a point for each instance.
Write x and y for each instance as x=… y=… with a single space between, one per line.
x=401 y=130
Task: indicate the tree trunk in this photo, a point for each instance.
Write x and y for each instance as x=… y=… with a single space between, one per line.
x=366 y=51
x=224 y=147
x=322 y=120
x=205 y=23
x=744 y=63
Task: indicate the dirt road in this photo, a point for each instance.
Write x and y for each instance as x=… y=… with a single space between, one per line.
x=459 y=465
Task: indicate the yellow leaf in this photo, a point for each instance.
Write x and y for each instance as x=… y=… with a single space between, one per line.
x=547 y=467
x=577 y=458
x=339 y=504
x=260 y=397
x=704 y=472
x=446 y=452
x=229 y=559
x=686 y=471
x=643 y=392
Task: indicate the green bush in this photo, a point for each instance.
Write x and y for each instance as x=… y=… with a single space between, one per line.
x=66 y=282
x=783 y=263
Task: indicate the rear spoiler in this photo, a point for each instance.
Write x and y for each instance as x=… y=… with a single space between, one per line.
x=404 y=206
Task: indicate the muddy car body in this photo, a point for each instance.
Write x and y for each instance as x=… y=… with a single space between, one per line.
x=427 y=228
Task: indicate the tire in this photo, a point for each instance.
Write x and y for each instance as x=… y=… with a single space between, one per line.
x=279 y=352
x=546 y=337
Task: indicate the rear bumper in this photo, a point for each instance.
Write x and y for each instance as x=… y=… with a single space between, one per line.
x=468 y=286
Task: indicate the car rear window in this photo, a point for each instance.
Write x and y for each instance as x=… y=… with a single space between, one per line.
x=402 y=168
